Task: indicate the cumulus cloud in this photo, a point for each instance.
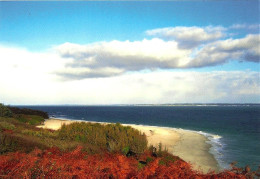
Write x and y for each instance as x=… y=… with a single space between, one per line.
x=189 y=37
x=116 y=57
x=106 y=59
x=219 y=52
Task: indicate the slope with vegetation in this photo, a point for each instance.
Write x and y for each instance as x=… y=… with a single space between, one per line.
x=86 y=150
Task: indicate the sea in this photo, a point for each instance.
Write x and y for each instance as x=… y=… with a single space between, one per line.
x=233 y=130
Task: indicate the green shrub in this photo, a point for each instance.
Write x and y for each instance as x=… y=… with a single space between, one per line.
x=140 y=166
x=113 y=137
x=93 y=137
x=7 y=144
x=16 y=142
x=6 y=125
x=42 y=133
x=167 y=158
x=30 y=119
x=149 y=159
x=4 y=111
x=170 y=158
x=159 y=153
x=125 y=150
x=162 y=162
x=25 y=137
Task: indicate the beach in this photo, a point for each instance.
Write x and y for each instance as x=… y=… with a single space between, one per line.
x=188 y=145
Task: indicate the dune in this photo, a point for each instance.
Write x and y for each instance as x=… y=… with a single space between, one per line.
x=188 y=145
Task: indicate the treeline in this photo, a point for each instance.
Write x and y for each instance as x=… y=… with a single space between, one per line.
x=29 y=116
x=26 y=111
x=8 y=111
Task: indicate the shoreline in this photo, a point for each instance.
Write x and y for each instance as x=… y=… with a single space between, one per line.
x=190 y=146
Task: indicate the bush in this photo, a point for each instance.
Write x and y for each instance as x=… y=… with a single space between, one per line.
x=149 y=159
x=12 y=142
x=5 y=111
x=6 y=125
x=30 y=119
x=17 y=134
x=42 y=133
x=113 y=137
x=126 y=150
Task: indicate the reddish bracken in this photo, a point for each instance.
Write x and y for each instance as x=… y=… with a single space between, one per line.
x=53 y=163
x=9 y=131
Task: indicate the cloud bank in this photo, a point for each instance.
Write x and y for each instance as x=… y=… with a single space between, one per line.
x=130 y=72
x=27 y=86
x=30 y=78
x=170 y=48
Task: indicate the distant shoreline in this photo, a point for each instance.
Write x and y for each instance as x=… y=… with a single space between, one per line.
x=188 y=145
x=154 y=105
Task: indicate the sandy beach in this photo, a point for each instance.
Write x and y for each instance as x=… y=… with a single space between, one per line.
x=188 y=145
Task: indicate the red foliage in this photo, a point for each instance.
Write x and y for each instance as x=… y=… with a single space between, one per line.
x=9 y=131
x=53 y=163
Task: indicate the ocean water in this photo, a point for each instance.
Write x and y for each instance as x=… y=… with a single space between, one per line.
x=232 y=130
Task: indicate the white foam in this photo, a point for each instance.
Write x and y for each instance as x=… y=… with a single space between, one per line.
x=216 y=149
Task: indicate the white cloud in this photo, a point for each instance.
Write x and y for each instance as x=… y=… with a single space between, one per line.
x=118 y=57
x=106 y=59
x=244 y=49
x=189 y=37
x=27 y=78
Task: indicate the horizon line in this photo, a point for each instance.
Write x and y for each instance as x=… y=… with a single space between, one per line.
x=164 y=104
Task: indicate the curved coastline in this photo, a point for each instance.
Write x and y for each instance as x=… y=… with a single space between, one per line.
x=191 y=146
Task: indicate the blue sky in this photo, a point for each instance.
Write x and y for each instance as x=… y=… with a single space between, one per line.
x=98 y=42
x=38 y=25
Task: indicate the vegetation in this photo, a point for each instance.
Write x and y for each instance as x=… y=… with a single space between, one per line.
x=87 y=150
x=5 y=111
x=18 y=133
x=53 y=163
x=113 y=137
x=25 y=111
x=30 y=119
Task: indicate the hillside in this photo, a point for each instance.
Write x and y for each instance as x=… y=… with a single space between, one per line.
x=81 y=150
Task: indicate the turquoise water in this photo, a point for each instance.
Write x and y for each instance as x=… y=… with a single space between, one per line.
x=233 y=131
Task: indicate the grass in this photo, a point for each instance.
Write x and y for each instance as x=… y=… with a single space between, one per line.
x=19 y=133
x=30 y=119
x=112 y=137
x=6 y=125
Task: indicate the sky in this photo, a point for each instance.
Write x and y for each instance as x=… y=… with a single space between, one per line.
x=136 y=52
